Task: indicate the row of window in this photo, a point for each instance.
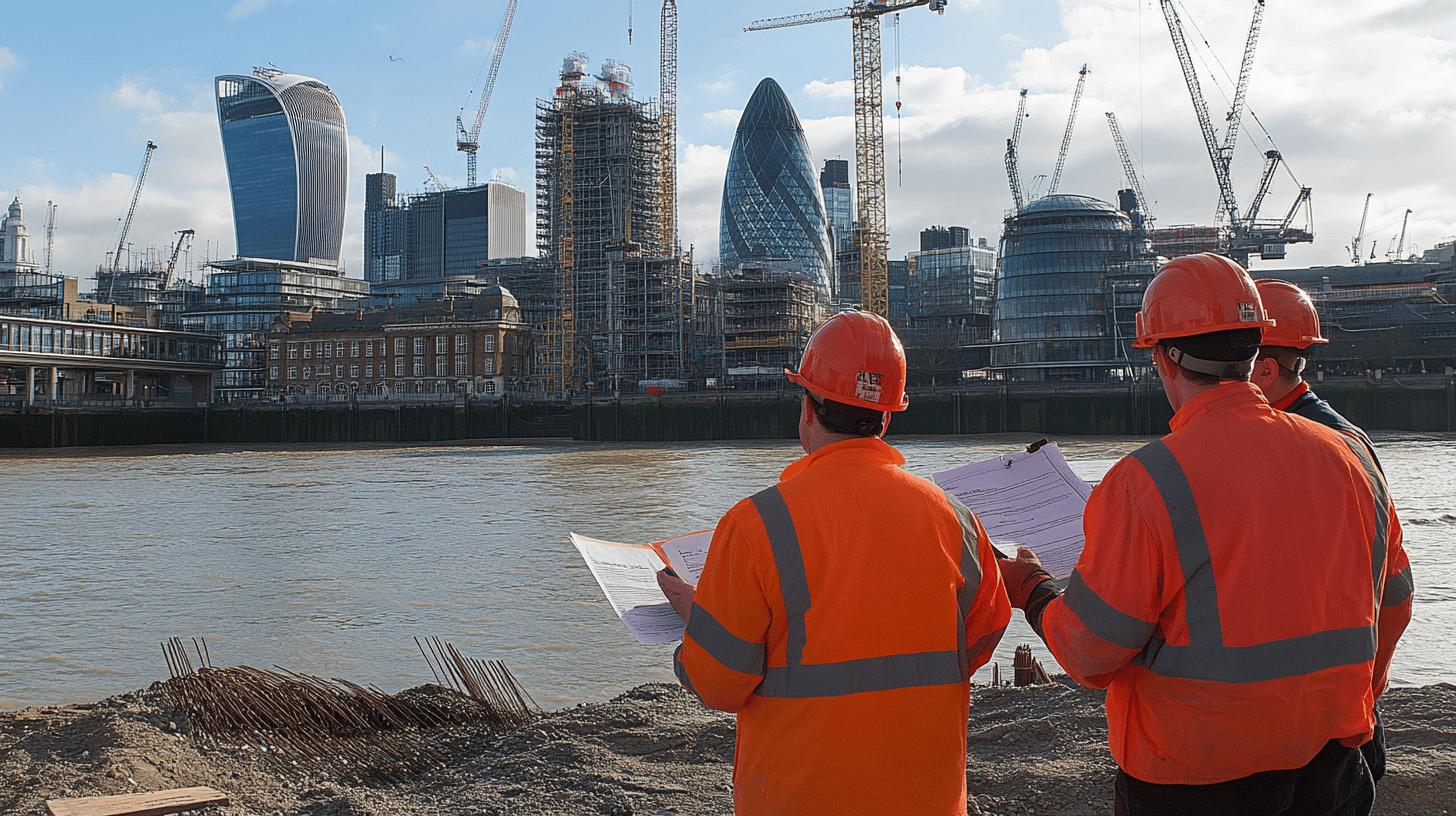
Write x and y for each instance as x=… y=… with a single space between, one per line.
x=386 y=389
x=462 y=369
x=325 y=348
x=105 y=342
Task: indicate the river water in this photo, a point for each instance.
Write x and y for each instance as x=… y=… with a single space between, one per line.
x=331 y=561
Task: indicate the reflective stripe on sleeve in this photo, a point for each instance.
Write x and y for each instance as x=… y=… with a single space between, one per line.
x=725 y=647
x=1398 y=588
x=970 y=560
x=783 y=541
x=1102 y=619
x=1378 y=545
x=681 y=671
x=869 y=674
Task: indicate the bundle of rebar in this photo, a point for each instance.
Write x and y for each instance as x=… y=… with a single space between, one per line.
x=504 y=701
x=305 y=723
x=1027 y=670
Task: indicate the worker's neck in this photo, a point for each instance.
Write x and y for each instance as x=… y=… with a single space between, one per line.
x=1282 y=387
x=821 y=438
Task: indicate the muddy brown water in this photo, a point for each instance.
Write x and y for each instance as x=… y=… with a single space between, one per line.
x=329 y=561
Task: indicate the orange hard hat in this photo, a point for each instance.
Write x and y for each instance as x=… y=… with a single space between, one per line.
x=854 y=358
x=1297 y=324
x=1199 y=294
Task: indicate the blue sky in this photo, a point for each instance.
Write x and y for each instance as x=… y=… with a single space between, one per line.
x=84 y=85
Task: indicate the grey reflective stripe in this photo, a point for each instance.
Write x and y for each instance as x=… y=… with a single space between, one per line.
x=1102 y=619
x=682 y=672
x=801 y=680
x=970 y=560
x=727 y=648
x=1398 y=588
x=869 y=674
x=783 y=541
x=986 y=642
x=1379 y=544
x=1206 y=657
x=1200 y=590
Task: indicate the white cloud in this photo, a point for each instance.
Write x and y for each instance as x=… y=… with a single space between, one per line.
x=244 y=8
x=826 y=89
x=9 y=64
x=725 y=118
x=721 y=85
x=506 y=174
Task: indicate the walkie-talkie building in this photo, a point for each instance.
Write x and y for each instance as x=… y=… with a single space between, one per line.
x=287 y=154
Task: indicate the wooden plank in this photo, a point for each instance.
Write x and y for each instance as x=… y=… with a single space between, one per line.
x=138 y=804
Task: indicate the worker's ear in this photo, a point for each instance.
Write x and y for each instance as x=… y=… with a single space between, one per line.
x=806 y=409
x=885 y=426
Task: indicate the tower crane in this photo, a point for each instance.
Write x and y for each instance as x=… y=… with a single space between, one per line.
x=871 y=235
x=1272 y=158
x=1235 y=116
x=1013 y=160
x=468 y=141
x=1071 y=124
x=136 y=195
x=1400 y=245
x=667 y=194
x=432 y=180
x=1129 y=169
x=50 y=233
x=182 y=236
x=1356 y=244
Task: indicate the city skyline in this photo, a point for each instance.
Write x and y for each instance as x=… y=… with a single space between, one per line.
x=960 y=78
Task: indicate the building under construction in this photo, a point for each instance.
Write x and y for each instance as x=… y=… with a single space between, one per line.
x=624 y=317
x=769 y=311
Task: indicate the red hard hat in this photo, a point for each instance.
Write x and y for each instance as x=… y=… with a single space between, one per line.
x=1199 y=294
x=1297 y=324
x=854 y=358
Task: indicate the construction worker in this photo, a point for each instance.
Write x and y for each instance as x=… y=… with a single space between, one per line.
x=842 y=611
x=1279 y=373
x=1243 y=583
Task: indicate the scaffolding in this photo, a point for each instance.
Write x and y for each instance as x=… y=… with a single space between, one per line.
x=769 y=311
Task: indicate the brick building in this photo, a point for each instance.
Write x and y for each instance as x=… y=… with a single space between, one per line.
x=477 y=345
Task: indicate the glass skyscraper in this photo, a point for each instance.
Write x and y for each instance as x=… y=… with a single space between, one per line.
x=772 y=206
x=838 y=201
x=286 y=148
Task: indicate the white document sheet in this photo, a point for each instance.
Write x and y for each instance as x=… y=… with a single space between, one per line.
x=627 y=574
x=687 y=554
x=1028 y=500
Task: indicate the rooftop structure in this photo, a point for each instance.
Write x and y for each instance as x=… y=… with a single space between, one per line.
x=287 y=153
x=773 y=209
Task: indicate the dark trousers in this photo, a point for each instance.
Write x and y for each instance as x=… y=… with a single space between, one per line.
x=1335 y=783
x=1374 y=750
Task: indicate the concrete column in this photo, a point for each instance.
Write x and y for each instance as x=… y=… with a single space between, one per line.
x=29 y=386
x=131 y=383
x=55 y=384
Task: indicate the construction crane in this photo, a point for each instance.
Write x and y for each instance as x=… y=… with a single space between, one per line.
x=1013 y=161
x=1272 y=158
x=182 y=236
x=1071 y=125
x=1240 y=235
x=667 y=193
x=1357 y=243
x=1400 y=245
x=871 y=236
x=432 y=180
x=50 y=233
x=468 y=141
x=136 y=195
x=1129 y=169
x=1235 y=116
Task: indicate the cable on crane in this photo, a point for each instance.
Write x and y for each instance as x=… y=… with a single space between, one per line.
x=899 y=152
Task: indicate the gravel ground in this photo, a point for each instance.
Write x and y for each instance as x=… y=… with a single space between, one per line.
x=652 y=750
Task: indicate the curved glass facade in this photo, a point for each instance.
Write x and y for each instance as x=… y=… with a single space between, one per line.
x=286 y=148
x=772 y=206
x=1067 y=276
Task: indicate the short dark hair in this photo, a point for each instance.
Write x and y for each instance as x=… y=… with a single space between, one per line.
x=847 y=419
x=1234 y=346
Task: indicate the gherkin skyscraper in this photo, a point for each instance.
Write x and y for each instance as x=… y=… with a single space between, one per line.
x=772 y=205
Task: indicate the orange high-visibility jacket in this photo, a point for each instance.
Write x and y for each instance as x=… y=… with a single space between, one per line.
x=840 y=615
x=1240 y=595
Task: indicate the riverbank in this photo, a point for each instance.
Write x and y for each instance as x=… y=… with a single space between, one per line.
x=652 y=750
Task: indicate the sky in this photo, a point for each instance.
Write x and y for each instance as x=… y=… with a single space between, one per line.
x=1360 y=98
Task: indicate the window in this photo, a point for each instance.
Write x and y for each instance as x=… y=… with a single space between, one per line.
x=399 y=366
x=326 y=349
x=293 y=351
x=293 y=372
x=308 y=351
x=462 y=343
x=338 y=372
x=274 y=350
x=490 y=366
x=489 y=344
x=273 y=373
x=353 y=348
x=307 y=372
x=369 y=371
x=487 y=387
x=339 y=349
x=440 y=366
x=353 y=372
x=442 y=344
x=419 y=367
x=399 y=345
x=460 y=368
x=368 y=348
x=323 y=372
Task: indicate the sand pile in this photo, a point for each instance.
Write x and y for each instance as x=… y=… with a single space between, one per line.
x=653 y=750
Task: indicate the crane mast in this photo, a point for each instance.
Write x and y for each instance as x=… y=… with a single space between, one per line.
x=182 y=235
x=432 y=180
x=1071 y=125
x=136 y=195
x=1013 y=162
x=468 y=141
x=1271 y=164
x=1230 y=206
x=667 y=195
x=50 y=233
x=1400 y=246
x=1356 y=245
x=1236 y=110
x=871 y=237
x=1128 y=168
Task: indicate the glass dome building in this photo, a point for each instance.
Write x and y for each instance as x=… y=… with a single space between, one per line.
x=287 y=154
x=773 y=209
x=1070 y=283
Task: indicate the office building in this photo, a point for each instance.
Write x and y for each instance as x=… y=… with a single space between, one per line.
x=287 y=154
x=1072 y=272
x=437 y=235
x=938 y=237
x=838 y=202
x=773 y=210
x=950 y=290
